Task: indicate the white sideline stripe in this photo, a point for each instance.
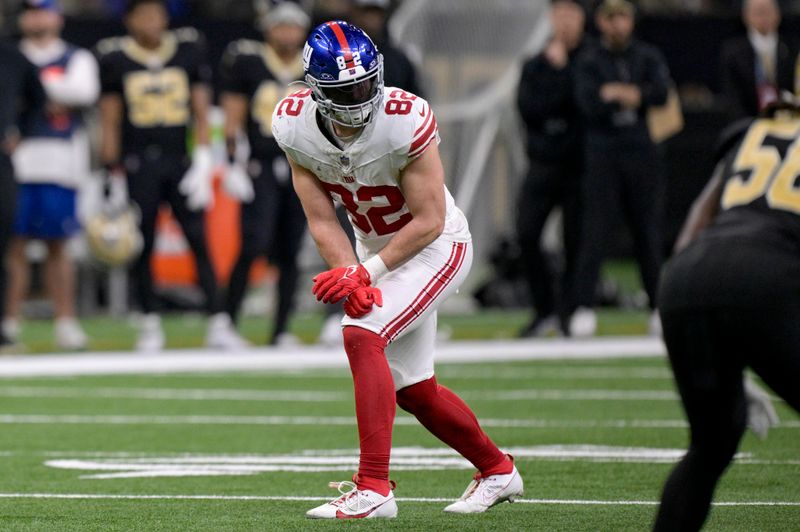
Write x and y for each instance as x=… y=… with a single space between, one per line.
x=35 y=419
x=314 y=357
x=578 y=502
x=186 y=394
x=576 y=370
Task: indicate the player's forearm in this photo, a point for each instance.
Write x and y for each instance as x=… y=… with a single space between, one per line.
x=232 y=125
x=201 y=101
x=110 y=131
x=202 y=132
x=110 y=151
x=415 y=236
x=332 y=242
x=702 y=213
x=234 y=107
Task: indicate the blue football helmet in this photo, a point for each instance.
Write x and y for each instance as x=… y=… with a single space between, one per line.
x=345 y=72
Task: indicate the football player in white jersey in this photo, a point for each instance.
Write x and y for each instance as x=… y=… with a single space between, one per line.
x=374 y=149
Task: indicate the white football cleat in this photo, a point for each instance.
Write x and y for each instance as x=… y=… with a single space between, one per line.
x=70 y=335
x=10 y=329
x=541 y=328
x=583 y=323
x=221 y=334
x=483 y=493
x=355 y=504
x=287 y=339
x=761 y=414
x=654 y=327
x=151 y=336
x=331 y=333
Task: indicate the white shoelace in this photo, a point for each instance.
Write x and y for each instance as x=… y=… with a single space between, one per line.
x=348 y=491
x=472 y=487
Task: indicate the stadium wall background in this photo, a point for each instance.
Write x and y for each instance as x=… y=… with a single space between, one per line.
x=691 y=46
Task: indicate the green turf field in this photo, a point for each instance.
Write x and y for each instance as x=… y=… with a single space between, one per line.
x=238 y=433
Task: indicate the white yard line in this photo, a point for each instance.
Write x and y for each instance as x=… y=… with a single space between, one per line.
x=313 y=357
x=174 y=394
x=78 y=419
x=572 y=395
x=193 y=394
x=576 y=502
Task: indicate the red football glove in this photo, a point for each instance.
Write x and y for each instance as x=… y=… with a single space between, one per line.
x=359 y=303
x=333 y=285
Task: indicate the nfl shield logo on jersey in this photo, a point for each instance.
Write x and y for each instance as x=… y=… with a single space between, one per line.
x=345 y=160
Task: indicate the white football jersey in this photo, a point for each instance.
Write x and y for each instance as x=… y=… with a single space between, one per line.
x=364 y=175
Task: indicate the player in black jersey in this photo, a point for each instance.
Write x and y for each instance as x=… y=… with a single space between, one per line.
x=731 y=299
x=255 y=76
x=155 y=85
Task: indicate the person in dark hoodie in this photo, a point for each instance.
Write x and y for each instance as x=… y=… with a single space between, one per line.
x=547 y=106
x=617 y=81
x=371 y=16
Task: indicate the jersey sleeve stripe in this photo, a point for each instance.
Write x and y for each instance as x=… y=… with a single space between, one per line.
x=422 y=148
x=424 y=140
x=421 y=294
x=420 y=138
x=424 y=125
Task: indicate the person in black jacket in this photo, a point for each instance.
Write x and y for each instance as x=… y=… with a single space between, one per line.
x=22 y=97
x=617 y=80
x=370 y=15
x=547 y=105
x=758 y=66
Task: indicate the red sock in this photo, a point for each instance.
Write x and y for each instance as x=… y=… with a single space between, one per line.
x=375 y=406
x=449 y=418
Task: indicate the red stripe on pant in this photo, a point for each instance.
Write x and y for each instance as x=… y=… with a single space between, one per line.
x=424 y=291
x=426 y=297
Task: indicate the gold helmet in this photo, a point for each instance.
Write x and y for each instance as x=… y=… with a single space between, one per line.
x=113 y=235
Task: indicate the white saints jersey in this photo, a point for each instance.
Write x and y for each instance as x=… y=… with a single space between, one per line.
x=364 y=175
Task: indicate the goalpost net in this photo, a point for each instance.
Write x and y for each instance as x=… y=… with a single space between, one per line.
x=468 y=55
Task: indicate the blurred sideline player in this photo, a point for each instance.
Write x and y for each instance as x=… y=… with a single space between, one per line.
x=50 y=163
x=731 y=299
x=616 y=81
x=22 y=99
x=155 y=84
x=547 y=105
x=371 y=16
x=375 y=150
x=254 y=78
